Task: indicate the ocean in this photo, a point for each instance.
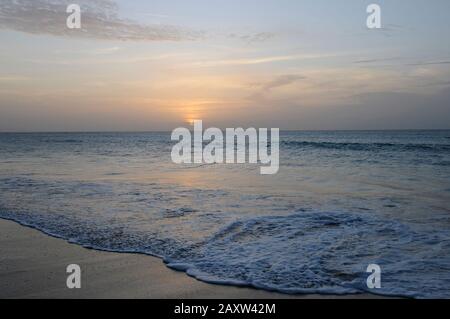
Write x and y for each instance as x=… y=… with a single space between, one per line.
x=341 y=200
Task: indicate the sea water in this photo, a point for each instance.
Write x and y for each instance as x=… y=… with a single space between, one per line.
x=341 y=200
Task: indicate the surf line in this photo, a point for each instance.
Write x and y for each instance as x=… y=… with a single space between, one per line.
x=235 y=146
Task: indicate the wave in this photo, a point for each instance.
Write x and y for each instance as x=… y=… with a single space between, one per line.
x=325 y=253
x=306 y=252
x=367 y=146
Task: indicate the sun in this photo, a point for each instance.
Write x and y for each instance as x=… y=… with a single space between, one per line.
x=192 y=111
x=190 y=121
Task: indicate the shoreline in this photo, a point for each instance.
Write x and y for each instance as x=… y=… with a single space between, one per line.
x=33 y=265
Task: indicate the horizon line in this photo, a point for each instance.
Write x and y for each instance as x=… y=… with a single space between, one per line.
x=169 y=131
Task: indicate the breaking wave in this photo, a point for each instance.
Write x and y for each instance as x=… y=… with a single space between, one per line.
x=306 y=252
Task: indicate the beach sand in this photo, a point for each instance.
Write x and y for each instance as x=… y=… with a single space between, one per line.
x=33 y=265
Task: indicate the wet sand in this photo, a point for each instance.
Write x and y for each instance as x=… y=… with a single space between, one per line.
x=33 y=265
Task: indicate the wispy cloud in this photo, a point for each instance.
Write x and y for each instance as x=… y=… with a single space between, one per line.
x=253 y=38
x=100 y=20
x=389 y=30
x=364 y=61
x=429 y=63
x=261 y=60
x=103 y=51
x=95 y=61
x=13 y=78
x=279 y=81
x=264 y=88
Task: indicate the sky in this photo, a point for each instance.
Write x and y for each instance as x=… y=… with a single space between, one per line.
x=158 y=65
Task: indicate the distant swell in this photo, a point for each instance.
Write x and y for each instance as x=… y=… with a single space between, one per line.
x=367 y=146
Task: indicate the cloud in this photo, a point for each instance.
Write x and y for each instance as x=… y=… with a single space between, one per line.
x=387 y=30
x=253 y=38
x=429 y=63
x=265 y=88
x=370 y=111
x=399 y=110
x=100 y=20
x=261 y=60
x=281 y=80
x=13 y=78
x=364 y=61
